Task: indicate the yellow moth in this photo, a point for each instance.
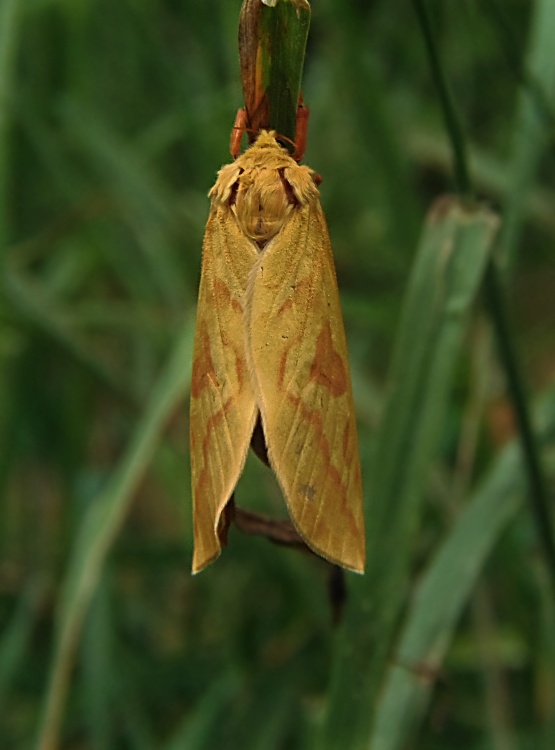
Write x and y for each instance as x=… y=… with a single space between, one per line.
x=270 y=345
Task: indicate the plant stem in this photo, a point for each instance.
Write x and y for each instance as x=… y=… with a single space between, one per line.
x=452 y=124
x=272 y=45
x=539 y=498
x=9 y=27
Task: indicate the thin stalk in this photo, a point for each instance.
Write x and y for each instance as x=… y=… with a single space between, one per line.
x=272 y=45
x=539 y=501
x=539 y=497
x=9 y=20
x=452 y=123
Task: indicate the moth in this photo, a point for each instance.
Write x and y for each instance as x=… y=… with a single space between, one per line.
x=270 y=349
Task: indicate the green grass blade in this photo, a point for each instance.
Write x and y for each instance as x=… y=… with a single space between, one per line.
x=17 y=635
x=449 y=266
x=10 y=13
x=444 y=590
x=546 y=730
x=98 y=664
x=100 y=527
x=533 y=126
x=142 y=202
x=492 y=175
x=196 y=729
x=493 y=288
x=33 y=305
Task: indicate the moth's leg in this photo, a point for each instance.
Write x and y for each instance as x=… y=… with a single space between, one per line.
x=241 y=122
x=301 y=131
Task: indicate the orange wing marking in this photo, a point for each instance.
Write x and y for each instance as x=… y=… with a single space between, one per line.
x=203 y=366
x=314 y=418
x=223 y=298
x=211 y=425
x=327 y=368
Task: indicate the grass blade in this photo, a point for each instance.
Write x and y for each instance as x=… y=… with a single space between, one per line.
x=194 y=732
x=16 y=637
x=100 y=527
x=534 y=124
x=444 y=591
x=450 y=263
x=10 y=13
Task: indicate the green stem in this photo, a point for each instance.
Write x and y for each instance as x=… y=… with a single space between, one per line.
x=272 y=45
x=452 y=124
x=539 y=499
x=10 y=12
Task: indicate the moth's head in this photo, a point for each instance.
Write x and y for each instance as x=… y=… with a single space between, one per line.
x=267 y=140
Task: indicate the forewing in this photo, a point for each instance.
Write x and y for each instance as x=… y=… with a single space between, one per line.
x=300 y=364
x=223 y=407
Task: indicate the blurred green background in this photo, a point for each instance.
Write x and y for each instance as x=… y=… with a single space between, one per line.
x=114 y=118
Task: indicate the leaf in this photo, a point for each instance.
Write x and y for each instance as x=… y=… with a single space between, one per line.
x=10 y=18
x=446 y=276
x=533 y=125
x=17 y=635
x=99 y=529
x=444 y=590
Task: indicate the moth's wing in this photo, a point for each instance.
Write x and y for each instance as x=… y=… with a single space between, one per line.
x=223 y=409
x=300 y=363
